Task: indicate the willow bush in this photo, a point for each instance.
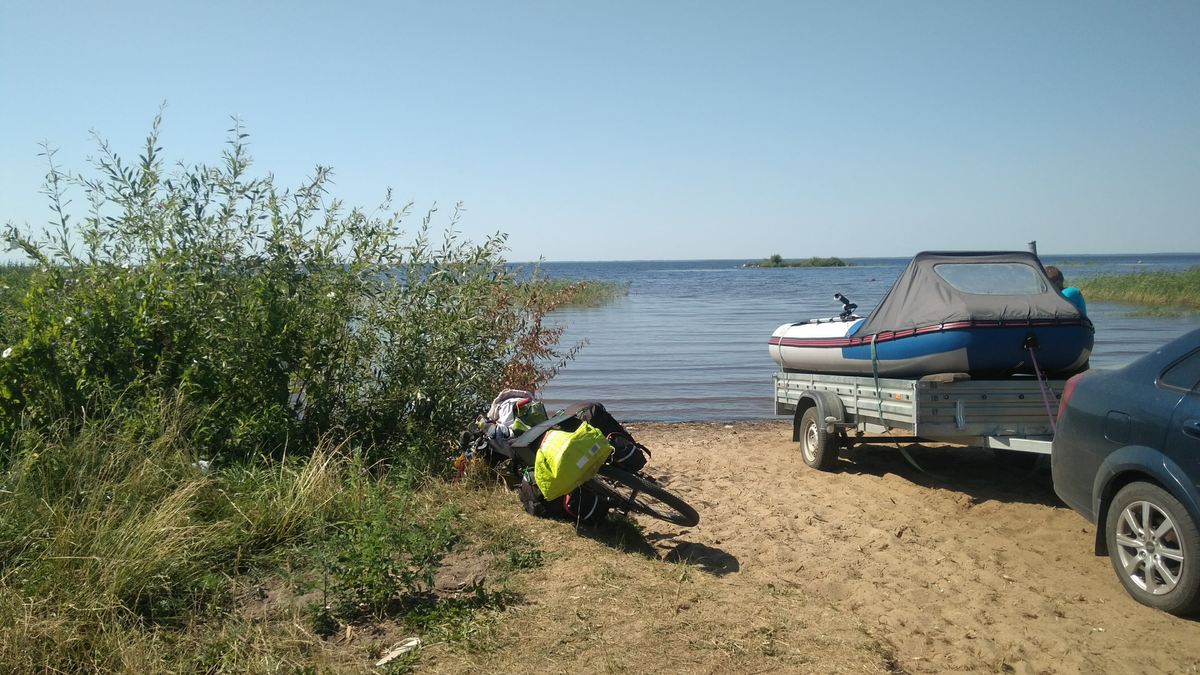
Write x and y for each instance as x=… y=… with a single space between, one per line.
x=279 y=314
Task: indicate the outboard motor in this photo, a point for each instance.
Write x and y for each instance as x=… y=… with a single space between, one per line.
x=847 y=307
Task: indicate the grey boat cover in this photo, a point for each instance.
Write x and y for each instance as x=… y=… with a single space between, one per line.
x=947 y=287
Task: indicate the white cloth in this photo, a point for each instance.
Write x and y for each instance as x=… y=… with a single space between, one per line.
x=503 y=409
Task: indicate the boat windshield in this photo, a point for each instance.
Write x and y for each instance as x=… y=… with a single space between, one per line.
x=992 y=278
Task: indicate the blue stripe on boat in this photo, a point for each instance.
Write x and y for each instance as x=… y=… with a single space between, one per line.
x=987 y=348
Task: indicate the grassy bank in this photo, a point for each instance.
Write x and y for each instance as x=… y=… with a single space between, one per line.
x=778 y=261
x=121 y=553
x=224 y=406
x=1170 y=292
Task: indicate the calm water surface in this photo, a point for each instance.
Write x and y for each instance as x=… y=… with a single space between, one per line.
x=690 y=340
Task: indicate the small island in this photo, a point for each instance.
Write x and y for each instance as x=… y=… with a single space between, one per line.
x=778 y=261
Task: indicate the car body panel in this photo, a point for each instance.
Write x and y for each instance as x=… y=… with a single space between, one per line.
x=1137 y=463
x=1086 y=446
x=1183 y=443
x=1123 y=425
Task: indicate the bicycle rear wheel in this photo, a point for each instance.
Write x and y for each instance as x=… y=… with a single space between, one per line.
x=629 y=492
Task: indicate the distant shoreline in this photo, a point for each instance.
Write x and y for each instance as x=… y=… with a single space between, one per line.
x=1058 y=259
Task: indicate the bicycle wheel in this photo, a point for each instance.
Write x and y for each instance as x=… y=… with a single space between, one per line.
x=629 y=492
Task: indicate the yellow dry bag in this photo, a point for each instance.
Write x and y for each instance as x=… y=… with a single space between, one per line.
x=567 y=459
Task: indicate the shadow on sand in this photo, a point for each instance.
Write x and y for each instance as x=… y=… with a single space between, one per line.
x=980 y=473
x=625 y=534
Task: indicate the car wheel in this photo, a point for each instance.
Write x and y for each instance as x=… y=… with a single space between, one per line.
x=1155 y=548
x=818 y=448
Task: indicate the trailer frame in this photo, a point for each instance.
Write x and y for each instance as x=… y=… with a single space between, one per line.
x=1013 y=414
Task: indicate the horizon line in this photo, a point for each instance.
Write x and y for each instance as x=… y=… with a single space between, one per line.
x=862 y=257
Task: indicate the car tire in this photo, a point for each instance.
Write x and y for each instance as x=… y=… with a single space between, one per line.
x=1154 y=547
x=818 y=448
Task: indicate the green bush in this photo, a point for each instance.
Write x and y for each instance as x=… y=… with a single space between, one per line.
x=380 y=551
x=279 y=314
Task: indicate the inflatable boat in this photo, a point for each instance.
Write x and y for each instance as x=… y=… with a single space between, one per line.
x=990 y=314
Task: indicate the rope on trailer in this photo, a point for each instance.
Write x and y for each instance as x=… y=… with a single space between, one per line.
x=1045 y=398
x=879 y=407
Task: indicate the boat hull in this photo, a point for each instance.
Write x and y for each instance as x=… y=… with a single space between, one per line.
x=979 y=349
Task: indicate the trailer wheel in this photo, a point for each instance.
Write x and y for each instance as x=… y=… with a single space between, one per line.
x=818 y=448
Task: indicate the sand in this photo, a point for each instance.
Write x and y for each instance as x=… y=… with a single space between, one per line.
x=982 y=569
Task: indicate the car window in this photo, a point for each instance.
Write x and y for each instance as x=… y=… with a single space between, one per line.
x=1184 y=374
x=992 y=278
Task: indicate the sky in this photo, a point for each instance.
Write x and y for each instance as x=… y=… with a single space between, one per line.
x=649 y=130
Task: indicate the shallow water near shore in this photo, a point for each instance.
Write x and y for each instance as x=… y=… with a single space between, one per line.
x=690 y=340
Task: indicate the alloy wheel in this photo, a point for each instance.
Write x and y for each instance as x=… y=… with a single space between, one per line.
x=1149 y=548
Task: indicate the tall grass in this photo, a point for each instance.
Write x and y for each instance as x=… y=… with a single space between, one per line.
x=1179 y=288
x=102 y=534
x=121 y=553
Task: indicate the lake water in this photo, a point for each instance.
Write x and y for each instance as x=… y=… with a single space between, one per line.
x=690 y=340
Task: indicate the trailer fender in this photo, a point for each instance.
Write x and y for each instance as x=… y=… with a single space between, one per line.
x=827 y=404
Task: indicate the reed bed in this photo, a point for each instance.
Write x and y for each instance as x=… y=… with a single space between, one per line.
x=562 y=292
x=1169 y=288
x=590 y=293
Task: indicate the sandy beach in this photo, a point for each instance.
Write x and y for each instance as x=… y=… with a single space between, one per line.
x=984 y=570
x=873 y=568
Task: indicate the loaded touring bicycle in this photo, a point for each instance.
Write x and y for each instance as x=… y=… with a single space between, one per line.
x=614 y=482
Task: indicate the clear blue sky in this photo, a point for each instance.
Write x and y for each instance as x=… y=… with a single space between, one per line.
x=652 y=130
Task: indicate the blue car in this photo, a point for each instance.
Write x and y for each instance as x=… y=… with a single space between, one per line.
x=1127 y=457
